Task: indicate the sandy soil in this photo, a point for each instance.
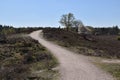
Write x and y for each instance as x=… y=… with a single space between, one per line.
x=72 y=66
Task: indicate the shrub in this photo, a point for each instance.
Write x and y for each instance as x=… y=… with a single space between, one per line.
x=118 y=38
x=29 y=58
x=14 y=72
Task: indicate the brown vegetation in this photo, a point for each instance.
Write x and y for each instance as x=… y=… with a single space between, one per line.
x=105 y=46
x=17 y=56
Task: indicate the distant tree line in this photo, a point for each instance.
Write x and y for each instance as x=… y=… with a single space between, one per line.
x=8 y=30
x=5 y=30
x=107 y=30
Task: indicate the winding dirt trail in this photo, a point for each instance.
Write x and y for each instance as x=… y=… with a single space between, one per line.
x=72 y=66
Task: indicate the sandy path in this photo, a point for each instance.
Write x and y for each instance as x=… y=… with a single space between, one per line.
x=72 y=66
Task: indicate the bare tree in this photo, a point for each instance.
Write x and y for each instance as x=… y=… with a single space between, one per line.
x=77 y=24
x=67 y=20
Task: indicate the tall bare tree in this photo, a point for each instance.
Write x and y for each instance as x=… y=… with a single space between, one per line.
x=67 y=20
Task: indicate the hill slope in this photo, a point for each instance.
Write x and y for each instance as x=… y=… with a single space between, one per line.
x=105 y=46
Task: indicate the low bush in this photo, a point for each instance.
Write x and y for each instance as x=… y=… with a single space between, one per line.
x=118 y=38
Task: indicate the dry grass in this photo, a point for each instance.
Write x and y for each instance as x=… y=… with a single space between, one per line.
x=112 y=68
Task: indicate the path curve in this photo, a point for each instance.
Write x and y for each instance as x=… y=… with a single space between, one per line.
x=72 y=66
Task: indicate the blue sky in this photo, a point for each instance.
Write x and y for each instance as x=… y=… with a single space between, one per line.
x=48 y=12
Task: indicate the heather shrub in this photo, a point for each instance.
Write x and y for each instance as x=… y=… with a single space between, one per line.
x=118 y=38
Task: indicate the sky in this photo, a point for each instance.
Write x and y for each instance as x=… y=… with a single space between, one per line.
x=46 y=13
